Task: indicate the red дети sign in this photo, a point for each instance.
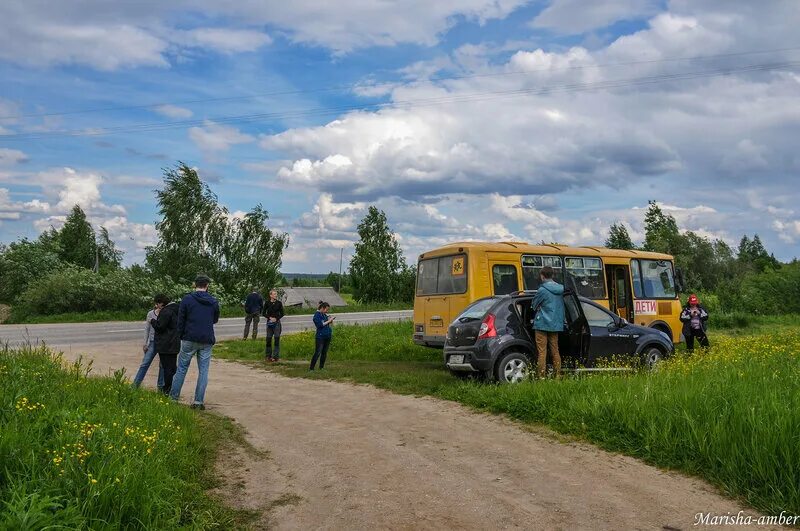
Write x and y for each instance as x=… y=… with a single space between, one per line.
x=645 y=307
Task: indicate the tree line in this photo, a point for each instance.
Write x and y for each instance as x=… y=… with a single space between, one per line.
x=744 y=278
x=78 y=268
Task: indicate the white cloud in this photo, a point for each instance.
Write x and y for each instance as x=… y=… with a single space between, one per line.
x=9 y=157
x=225 y=40
x=173 y=111
x=788 y=231
x=45 y=42
x=13 y=210
x=579 y=16
x=110 y=36
x=216 y=138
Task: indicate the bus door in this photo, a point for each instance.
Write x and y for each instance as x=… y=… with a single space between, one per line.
x=505 y=277
x=620 y=301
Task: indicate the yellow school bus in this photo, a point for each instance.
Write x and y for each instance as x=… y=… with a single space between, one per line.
x=639 y=286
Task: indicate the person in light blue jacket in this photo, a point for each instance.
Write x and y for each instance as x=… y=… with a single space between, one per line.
x=324 y=333
x=548 y=320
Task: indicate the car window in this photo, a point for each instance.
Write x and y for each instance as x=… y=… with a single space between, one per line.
x=596 y=316
x=476 y=310
x=570 y=309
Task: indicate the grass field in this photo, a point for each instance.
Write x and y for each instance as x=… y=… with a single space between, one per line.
x=92 y=453
x=139 y=315
x=730 y=415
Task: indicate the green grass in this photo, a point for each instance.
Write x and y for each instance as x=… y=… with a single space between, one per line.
x=730 y=415
x=139 y=315
x=93 y=453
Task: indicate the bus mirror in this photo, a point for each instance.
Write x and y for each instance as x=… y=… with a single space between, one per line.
x=680 y=285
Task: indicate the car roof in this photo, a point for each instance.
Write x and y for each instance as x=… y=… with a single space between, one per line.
x=528 y=293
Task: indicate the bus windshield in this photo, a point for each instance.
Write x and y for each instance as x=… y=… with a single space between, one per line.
x=656 y=279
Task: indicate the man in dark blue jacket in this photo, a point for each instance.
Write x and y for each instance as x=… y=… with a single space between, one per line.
x=197 y=315
x=252 y=307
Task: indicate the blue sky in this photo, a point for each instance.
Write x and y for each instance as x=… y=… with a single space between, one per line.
x=500 y=119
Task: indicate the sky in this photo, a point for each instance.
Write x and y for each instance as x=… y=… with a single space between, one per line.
x=544 y=120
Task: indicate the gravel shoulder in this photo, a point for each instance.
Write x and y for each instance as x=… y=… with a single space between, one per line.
x=352 y=456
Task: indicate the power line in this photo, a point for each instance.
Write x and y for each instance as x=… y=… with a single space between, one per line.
x=411 y=103
x=355 y=86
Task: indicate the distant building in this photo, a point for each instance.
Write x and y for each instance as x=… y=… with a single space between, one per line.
x=309 y=297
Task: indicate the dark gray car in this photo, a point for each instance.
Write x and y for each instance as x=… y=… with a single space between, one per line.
x=493 y=337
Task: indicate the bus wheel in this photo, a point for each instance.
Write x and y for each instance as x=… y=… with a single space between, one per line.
x=665 y=329
x=514 y=367
x=652 y=358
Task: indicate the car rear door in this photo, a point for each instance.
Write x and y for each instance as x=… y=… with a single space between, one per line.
x=608 y=338
x=577 y=328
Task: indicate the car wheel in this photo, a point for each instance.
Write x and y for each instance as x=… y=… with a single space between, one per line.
x=514 y=367
x=652 y=357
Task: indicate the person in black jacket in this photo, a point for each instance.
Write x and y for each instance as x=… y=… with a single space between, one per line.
x=253 y=306
x=273 y=311
x=197 y=315
x=694 y=318
x=167 y=341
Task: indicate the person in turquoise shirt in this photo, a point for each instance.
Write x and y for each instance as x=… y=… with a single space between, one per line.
x=548 y=320
x=323 y=337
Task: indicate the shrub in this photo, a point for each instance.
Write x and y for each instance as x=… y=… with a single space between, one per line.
x=24 y=262
x=81 y=290
x=772 y=292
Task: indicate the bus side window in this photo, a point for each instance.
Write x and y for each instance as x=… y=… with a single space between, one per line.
x=504 y=278
x=636 y=276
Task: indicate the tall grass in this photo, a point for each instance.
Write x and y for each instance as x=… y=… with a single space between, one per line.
x=92 y=453
x=730 y=415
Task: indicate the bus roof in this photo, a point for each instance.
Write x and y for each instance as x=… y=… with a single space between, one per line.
x=524 y=247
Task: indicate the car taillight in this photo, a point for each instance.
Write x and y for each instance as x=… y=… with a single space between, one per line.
x=487 y=327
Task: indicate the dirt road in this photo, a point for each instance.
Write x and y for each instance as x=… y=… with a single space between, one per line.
x=346 y=456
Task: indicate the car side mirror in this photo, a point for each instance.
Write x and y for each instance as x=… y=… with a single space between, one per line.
x=612 y=326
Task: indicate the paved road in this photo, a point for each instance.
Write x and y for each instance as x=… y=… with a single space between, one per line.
x=74 y=334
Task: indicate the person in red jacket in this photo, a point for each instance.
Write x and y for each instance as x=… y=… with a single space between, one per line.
x=694 y=318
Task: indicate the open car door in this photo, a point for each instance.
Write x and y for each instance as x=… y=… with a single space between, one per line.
x=577 y=336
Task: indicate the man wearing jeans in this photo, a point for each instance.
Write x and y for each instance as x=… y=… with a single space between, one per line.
x=149 y=348
x=548 y=320
x=197 y=315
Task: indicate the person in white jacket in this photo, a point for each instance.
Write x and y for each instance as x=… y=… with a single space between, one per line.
x=149 y=348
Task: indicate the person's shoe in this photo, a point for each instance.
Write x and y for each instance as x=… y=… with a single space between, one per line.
x=198 y=406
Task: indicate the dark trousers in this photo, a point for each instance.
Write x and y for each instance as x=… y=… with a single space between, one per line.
x=273 y=331
x=170 y=364
x=320 y=352
x=254 y=317
x=701 y=336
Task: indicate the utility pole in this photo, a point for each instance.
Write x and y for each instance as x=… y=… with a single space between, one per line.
x=341 y=256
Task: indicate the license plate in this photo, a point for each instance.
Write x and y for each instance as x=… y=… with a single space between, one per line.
x=457 y=358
